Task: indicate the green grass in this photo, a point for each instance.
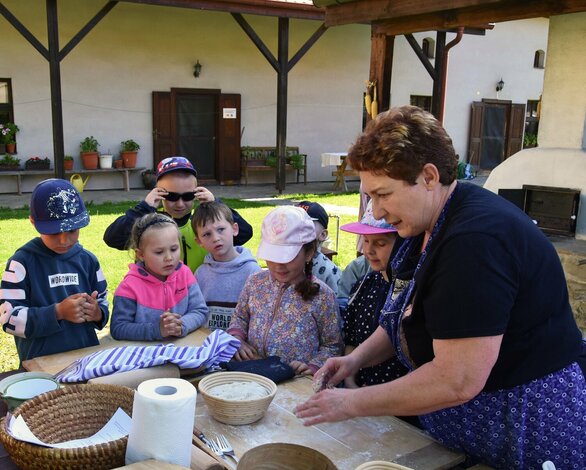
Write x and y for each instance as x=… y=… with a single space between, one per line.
x=16 y=230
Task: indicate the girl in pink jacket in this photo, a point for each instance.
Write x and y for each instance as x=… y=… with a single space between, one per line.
x=159 y=297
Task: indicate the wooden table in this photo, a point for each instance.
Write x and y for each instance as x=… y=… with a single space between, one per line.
x=339 y=160
x=348 y=444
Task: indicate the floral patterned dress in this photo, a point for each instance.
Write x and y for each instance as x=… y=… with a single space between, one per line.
x=274 y=319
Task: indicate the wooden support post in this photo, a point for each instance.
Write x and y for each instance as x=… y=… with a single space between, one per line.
x=381 y=67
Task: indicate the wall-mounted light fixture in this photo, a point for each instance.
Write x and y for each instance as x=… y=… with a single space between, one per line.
x=196 y=69
x=500 y=85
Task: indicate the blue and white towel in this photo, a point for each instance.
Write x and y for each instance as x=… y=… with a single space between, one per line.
x=219 y=346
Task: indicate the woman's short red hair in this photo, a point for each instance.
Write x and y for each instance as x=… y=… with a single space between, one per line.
x=399 y=142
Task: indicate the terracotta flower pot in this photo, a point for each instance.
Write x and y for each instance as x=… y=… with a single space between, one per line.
x=11 y=148
x=129 y=159
x=68 y=165
x=89 y=160
x=118 y=163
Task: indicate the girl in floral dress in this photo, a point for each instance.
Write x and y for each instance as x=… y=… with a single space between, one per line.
x=285 y=311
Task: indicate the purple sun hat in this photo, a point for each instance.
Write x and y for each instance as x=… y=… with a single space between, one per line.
x=368 y=225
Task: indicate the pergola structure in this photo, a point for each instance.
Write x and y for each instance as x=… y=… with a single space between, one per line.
x=388 y=18
x=283 y=9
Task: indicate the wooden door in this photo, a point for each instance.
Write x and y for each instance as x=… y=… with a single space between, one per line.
x=163 y=133
x=496 y=132
x=195 y=116
x=203 y=126
x=515 y=129
x=229 y=138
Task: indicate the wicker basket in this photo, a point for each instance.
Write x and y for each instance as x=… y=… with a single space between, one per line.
x=381 y=465
x=236 y=411
x=73 y=412
x=281 y=456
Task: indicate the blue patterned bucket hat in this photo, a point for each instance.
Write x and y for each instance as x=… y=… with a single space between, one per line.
x=57 y=207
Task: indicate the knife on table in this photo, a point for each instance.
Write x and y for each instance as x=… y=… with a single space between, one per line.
x=200 y=435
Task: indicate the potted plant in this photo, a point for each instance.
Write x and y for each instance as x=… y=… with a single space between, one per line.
x=128 y=152
x=89 y=152
x=8 y=162
x=68 y=163
x=8 y=134
x=37 y=163
x=149 y=178
x=529 y=141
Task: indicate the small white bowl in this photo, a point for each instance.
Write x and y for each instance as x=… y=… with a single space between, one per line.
x=18 y=388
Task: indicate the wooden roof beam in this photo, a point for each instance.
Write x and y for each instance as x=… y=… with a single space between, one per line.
x=368 y=11
x=514 y=10
x=254 y=7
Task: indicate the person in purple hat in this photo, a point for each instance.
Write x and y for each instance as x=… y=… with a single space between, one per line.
x=176 y=190
x=361 y=314
x=53 y=291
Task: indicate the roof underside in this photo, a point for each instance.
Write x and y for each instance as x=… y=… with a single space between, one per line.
x=394 y=17
x=301 y=9
x=391 y=17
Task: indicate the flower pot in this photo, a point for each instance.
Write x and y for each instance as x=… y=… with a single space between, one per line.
x=105 y=161
x=68 y=165
x=9 y=167
x=118 y=163
x=89 y=160
x=11 y=148
x=37 y=165
x=129 y=159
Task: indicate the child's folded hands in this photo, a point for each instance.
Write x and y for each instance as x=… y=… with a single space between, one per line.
x=170 y=324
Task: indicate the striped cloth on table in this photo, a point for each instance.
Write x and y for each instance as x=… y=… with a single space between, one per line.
x=219 y=346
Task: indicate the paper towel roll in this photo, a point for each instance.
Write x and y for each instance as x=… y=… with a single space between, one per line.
x=163 y=415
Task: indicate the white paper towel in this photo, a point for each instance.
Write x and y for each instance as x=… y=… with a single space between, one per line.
x=163 y=416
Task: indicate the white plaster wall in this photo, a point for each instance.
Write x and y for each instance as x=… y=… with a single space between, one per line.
x=475 y=66
x=108 y=78
x=564 y=98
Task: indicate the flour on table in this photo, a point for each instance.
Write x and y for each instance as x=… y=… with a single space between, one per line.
x=239 y=391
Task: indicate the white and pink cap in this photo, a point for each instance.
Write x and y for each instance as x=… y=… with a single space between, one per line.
x=284 y=231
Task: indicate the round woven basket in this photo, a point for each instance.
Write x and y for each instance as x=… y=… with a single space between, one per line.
x=73 y=412
x=236 y=411
x=381 y=465
x=281 y=456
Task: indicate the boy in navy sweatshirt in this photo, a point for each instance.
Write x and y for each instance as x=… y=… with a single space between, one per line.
x=53 y=291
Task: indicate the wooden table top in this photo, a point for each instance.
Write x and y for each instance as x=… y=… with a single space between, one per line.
x=348 y=444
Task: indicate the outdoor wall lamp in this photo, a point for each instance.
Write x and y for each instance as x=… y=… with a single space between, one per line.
x=196 y=69
x=499 y=85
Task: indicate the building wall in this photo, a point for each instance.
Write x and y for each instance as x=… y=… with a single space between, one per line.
x=564 y=103
x=108 y=78
x=560 y=159
x=475 y=66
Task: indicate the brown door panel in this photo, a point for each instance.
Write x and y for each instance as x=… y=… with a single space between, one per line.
x=163 y=135
x=229 y=138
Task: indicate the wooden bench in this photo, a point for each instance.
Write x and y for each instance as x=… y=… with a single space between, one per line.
x=258 y=158
x=20 y=174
